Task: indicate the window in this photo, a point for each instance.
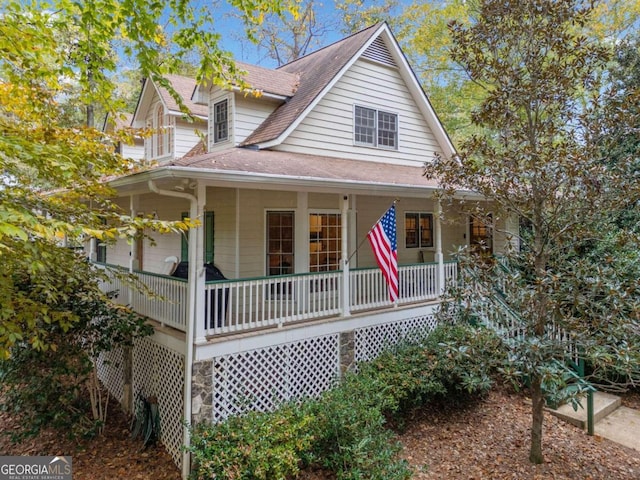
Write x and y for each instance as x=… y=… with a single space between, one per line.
x=481 y=234
x=375 y=128
x=280 y=243
x=161 y=141
x=101 y=251
x=418 y=230
x=325 y=242
x=220 y=121
x=208 y=239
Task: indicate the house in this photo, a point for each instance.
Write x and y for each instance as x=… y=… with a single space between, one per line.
x=133 y=149
x=294 y=176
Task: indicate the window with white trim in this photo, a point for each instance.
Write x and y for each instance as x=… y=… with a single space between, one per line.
x=325 y=241
x=375 y=128
x=280 y=245
x=418 y=230
x=221 y=121
x=161 y=140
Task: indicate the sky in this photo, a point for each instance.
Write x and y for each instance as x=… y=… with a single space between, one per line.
x=243 y=50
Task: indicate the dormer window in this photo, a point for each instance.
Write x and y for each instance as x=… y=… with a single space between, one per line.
x=375 y=128
x=161 y=141
x=221 y=121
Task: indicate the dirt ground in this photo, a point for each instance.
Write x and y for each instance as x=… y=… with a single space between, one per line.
x=488 y=440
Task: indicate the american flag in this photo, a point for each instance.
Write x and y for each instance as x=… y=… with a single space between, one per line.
x=382 y=238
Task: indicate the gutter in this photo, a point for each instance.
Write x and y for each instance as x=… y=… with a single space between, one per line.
x=191 y=313
x=270 y=181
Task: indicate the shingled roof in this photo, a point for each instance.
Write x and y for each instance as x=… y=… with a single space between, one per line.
x=267 y=80
x=294 y=165
x=184 y=86
x=315 y=72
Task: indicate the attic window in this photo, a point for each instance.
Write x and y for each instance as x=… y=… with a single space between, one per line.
x=375 y=128
x=220 y=121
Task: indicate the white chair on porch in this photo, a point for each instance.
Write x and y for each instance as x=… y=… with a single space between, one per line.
x=170 y=264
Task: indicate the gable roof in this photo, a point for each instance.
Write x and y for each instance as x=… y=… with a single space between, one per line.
x=116 y=122
x=320 y=70
x=184 y=87
x=316 y=72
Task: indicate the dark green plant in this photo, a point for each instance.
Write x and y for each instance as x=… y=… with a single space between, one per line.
x=345 y=430
x=145 y=423
x=257 y=445
x=350 y=433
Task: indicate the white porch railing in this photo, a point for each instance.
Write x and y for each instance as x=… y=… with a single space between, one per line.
x=167 y=304
x=238 y=305
x=247 y=304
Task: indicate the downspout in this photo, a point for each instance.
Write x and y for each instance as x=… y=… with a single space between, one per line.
x=191 y=312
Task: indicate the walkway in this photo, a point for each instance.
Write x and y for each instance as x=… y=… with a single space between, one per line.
x=612 y=421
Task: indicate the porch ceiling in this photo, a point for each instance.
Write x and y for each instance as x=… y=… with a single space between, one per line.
x=267 y=169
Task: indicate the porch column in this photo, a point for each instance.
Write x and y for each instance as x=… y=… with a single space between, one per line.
x=346 y=310
x=439 y=257
x=196 y=264
x=134 y=261
x=93 y=249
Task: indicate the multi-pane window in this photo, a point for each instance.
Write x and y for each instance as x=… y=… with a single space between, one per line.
x=418 y=230
x=375 y=128
x=481 y=234
x=325 y=242
x=280 y=235
x=161 y=141
x=220 y=121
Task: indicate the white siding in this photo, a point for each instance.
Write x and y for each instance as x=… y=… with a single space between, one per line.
x=185 y=137
x=328 y=129
x=135 y=152
x=249 y=114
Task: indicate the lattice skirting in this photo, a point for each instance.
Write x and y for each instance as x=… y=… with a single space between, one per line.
x=159 y=371
x=110 y=367
x=372 y=341
x=265 y=378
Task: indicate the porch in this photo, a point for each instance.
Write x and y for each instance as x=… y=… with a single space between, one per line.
x=250 y=304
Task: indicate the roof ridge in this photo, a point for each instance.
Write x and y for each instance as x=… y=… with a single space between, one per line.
x=343 y=39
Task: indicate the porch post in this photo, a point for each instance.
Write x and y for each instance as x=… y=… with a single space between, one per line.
x=196 y=259
x=346 y=290
x=133 y=246
x=439 y=257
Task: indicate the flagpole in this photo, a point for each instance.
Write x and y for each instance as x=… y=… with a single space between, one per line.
x=365 y=237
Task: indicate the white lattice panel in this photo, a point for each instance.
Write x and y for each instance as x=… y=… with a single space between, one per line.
x=372 y=341
x=263 y=379
x=159 y=371
x=110 y=367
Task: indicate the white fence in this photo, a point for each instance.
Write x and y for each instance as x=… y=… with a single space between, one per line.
x=248 y=304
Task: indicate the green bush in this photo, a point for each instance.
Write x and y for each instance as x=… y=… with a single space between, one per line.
x=350 y=437
x=345 y=430
x=454 y=361
x=262 y=446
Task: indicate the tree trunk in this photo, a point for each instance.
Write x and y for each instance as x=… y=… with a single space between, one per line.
x=537 y=419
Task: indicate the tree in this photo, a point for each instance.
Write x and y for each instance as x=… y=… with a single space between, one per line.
x=539 y=156
x=61 y=53
x=285 y=38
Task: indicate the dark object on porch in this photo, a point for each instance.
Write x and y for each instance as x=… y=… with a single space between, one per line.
x=217 y=304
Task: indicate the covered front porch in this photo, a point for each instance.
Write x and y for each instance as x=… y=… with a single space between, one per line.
x=250 y=304
x=290 y=249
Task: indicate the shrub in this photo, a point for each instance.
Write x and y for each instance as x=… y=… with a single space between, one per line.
x=350 y=437
x=345 y=429
x=257 y=445
x=453 y=361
